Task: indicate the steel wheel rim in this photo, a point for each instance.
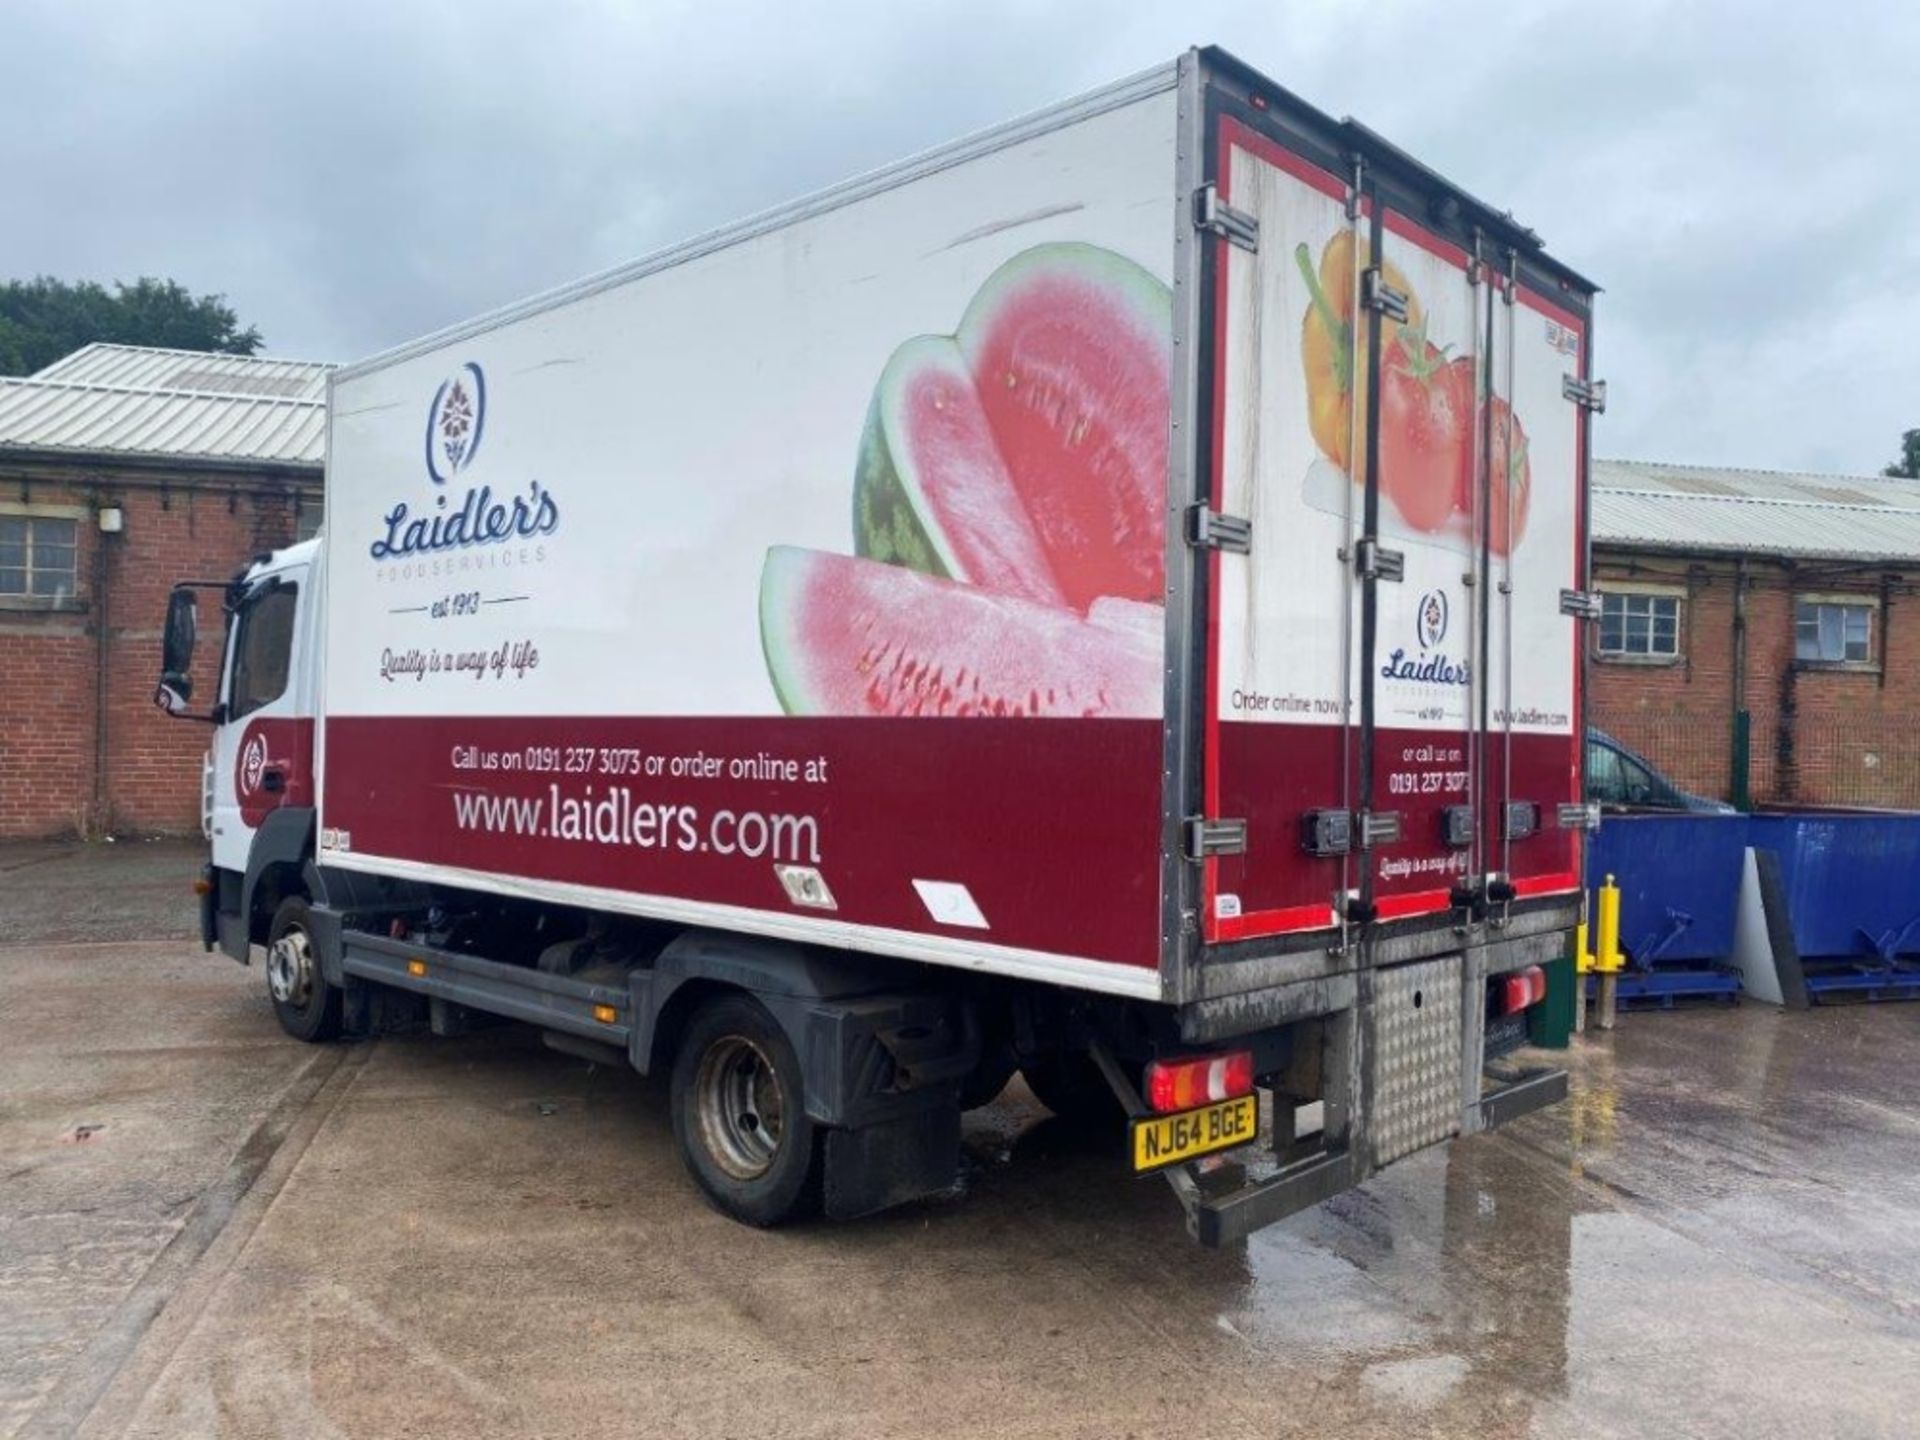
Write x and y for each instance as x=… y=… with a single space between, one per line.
x=741 y=1107
x=290 y=968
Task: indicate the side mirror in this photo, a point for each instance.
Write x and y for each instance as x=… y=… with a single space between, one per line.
x=173 y=693
x=183 y=626
x=175 y=690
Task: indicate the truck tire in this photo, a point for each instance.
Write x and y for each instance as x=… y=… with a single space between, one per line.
x=308 y=1007
x=1070 y=1085
x=739 y=1114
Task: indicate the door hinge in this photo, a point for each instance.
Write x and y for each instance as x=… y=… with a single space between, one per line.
x=1375 y=562
x=1588 y=394
x=1580 y=604
x=1210 y=212
x=1379 y=827
x=1207 y=838
x=1577 y=816
x=1208 y=528
x=1379 y=295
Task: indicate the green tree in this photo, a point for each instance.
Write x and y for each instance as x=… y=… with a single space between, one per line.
x=1907 y=467
x=43 y=319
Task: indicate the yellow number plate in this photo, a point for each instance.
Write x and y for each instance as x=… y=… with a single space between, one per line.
x=1162 y=1140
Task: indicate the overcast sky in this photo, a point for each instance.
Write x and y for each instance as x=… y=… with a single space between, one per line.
x=1740 y=178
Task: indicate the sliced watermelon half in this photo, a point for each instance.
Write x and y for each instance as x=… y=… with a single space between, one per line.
x=845 y=636
x=1028 y=454
x=1071 y=349
x=931 y=491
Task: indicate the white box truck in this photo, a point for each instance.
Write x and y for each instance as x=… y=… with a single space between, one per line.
x=1099 y=598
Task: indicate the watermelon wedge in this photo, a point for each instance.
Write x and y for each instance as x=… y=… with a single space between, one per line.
x=1071 y=348
x=928 y=451
x=1049 y=479
x=845 y=636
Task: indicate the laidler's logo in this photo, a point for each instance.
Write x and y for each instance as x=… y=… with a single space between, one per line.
x=456 y=424
x=1429 y=630
x=1431 y=626
x=253 y=763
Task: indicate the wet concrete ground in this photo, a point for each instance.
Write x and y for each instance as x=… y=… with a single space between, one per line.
x=209 y=1229
x=56 y=890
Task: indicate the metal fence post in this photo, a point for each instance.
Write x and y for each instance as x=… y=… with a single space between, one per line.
x=1741 y=787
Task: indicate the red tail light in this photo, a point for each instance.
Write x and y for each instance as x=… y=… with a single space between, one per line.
x=1199 y=1080
x=1523 y=988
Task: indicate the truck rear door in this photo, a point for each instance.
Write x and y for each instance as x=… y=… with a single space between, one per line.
x=1392 y=689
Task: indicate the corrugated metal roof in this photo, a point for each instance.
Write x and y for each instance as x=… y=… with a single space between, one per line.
x=1701 y=508
x=169 y=404
x=145 y=367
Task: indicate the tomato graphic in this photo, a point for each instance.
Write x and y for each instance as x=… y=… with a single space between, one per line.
x=1426 y=447
x=1336 y=367
x=1507 y=502
x=1512 y=479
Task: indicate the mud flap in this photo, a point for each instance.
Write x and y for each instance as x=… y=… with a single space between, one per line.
x=893 y=1161
x=209 y=908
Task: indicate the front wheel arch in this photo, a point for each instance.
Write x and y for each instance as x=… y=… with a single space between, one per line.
x=272 y=887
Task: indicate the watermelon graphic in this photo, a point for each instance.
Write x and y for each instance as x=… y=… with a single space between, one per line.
x=931 y=490
x=1069 y=349
x=1008 y=510
x=846 y=636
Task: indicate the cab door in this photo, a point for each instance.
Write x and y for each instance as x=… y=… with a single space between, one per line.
x=263 y=749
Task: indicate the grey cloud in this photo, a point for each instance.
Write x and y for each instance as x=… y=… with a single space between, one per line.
x=1738 y=177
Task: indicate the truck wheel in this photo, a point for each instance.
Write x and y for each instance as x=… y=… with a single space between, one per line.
x=1071 y=1086
x=307 y=1006
x=739 y=1115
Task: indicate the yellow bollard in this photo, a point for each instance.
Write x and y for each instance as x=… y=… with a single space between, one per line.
x=1607 y=959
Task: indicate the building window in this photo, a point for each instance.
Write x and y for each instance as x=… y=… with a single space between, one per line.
x=1640 y=625
x=37 y=556
x=1833 y=632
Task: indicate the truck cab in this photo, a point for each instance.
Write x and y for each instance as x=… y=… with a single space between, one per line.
x=257 y=783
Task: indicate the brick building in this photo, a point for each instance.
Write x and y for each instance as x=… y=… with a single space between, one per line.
x=123 y=469
x=1752 y=629
x=1757 y=623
